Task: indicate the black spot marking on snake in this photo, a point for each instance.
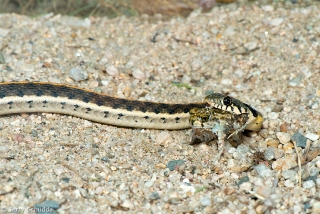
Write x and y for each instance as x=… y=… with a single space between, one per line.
x=76 y=107
x=106 y=114
x=164 y=119
x=88 y=110
x=63 y=104
x=120 y=115
x=44 y=103
x=30 y=103
x=10 y=104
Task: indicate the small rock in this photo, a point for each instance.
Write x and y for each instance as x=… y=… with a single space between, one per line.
x=154 y=196
x=226 y=81
x=17 y=138
x=300 y=139
x=127 y=204
x=316 y=207
x=164 y=138
x=182 y=208
x=276 y=21
x=267 y=8
x=250 y=46
x=290 y=174
x=34 y=133
x=138 y=74
x=48 y=204
x=4 y=149
x=296 y=81
x=112 y=70
x=308 y=184
x=205 y=201
x=306 y=71
x=312 y=136
x=287 y=147
x=87 y=124
x=288 y=183
x=284 y=163
x=269 y=153
x=273 y=143
x=78 y=74
x=243 y=180
x=263 y=171
x=2 y=59
x=185 y=79
x=173 y=164
x=283 y=137
x=284 y=127
x=3 y=32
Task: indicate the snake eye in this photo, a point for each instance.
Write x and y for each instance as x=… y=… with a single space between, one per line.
x=227 y=101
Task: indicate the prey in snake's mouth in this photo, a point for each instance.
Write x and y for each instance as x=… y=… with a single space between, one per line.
x=225 y=119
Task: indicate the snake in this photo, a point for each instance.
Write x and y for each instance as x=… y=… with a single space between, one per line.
x=33 y=97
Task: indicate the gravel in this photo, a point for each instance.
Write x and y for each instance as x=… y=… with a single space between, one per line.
x=266 y=56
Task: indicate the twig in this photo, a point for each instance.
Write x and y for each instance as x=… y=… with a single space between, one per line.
x=256 y=195
x=73 y=170
x=299 y=162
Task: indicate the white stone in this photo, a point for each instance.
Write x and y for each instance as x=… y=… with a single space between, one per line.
x=283 y=137
x=312 y=136
x=276 y=21
x=112 y=70
x=138 y=74
x=308 y=184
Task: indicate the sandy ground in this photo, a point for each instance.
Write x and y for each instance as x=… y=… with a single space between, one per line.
x=265 y=56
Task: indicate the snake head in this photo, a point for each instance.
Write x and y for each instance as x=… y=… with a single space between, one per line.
x=235 y=106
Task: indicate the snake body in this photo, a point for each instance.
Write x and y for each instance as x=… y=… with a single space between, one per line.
x=28 y=97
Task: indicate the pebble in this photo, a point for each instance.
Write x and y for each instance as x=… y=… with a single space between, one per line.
x=267 y=8
x=312 y=136
x=17 y=138
x=34 y=133
x=154 y=196
x=205 y=201
x=112 y=70
x=273 y=143
x=296 y=81
x=288 y=147
x=316 y=207
x=127 y=204
x=3 y=32
x=226 y=81
x=283 y=137
x=250 y=46
x=308 y=184
x=173 y=164
x=263 y=171
x=284 y=127
x=284 y=163
x=138 y=74
x=78 y=74
x=289 y=183
x=164 y=138
x=306 y=71
x=48 y=204
x=276 y=21
x=290 y=174
x=4 y=149
x=269 y=153
x=300 y=139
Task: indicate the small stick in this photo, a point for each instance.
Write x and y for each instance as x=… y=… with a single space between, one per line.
x=299 y=162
